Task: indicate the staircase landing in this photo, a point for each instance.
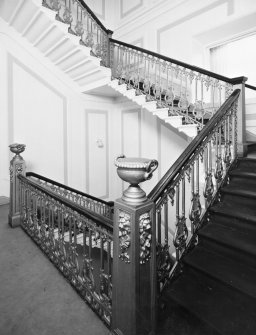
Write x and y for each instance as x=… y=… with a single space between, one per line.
x=35 y=299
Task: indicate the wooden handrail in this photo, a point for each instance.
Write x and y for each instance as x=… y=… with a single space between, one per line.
x=233 y=81
x=176 y=168
x=35 y=175
x=83 y=4
x=250 y=87
x=99 y=219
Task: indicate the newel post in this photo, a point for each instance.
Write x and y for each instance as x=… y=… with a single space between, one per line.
x=17 y=166
x=239 y=83
x=133 y=304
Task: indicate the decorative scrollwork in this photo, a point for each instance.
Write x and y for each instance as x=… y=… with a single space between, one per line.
x=208 y=187
x=218 y=169
x=181 y=233
x=164 y=263
x=227 y=155
x=67 y=16
x=145 y=237
x=79 y=28
x=89 y=40
x=55 y=5
x=124 y=224
x=195 y=209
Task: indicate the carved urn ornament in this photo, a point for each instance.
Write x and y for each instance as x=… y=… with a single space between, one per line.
x=135 y=171
x=17 y=148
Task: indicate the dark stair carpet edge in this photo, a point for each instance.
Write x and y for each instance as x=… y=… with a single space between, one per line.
x=232 y=213
x=232 y=238
x=223 y=269
x=227 y=311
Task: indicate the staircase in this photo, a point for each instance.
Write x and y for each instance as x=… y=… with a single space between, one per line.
x=216 y=292
x=61 y=44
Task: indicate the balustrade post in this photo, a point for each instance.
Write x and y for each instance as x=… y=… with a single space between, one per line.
x=134 y=268
x=17 y=166
x=239 y=83
x=110 y=34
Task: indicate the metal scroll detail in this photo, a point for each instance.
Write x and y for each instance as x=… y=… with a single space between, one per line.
x=195 y=209
x=208 y=187
x=181 y=233
x=124 y=224
x=145 y=237
x=164 y=263
x=81 y=249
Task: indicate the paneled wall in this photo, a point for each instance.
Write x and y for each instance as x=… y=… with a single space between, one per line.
x=59 y=125
x=72 y=137
x=184 y=29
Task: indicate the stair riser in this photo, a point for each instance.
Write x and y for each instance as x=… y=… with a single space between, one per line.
x=239 y=201
x=243 y=181
x=232 y=222
x=225 y=251
x=248 y=165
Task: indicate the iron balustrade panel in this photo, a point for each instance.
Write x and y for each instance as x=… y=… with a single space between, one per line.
x=190 y=187
x=82 y=22
x=80 y=247
x=183 y=89
x=86 y=201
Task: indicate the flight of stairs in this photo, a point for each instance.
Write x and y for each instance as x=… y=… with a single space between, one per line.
x=215 y=294
x=38 y=25
x=176 y=121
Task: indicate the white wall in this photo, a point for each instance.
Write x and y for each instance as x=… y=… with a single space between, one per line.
x=40 y=109
x=72 y=137
x=184 y=29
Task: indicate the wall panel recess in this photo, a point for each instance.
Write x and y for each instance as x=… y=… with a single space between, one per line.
x=97 y=153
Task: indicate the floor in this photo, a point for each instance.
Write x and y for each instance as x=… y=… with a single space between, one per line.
x=34 y=297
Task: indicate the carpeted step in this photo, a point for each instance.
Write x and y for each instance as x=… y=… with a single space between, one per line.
x=243 y=219
x=239 y=197
x=249 y=164
x=243 y=177
x=225 y=270
x=229 y=242
x=215 y=304
x=177 y=320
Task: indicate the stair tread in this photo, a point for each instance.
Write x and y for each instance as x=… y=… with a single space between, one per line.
x=243 y=241
x=241 y=172
x=226 y=270
x=244 y=192
x=228 y=209
x=216 y=304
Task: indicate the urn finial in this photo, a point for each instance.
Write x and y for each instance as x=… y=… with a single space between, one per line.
x=134 y=171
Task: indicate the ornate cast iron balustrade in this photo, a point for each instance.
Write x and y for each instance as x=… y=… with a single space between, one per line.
x=83 y=22
x=87 y=201
x=78 y=243
x=194 y=179
x=188 y=91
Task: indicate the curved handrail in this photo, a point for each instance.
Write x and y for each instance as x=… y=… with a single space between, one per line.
x=99 y=219
x=82 y=3
x=32 y=174
x=176 y=168
x=233 y=81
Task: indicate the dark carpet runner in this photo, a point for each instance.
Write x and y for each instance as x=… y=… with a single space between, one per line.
x=216 y=291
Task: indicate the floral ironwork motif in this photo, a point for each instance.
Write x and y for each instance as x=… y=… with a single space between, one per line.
x=145 y=237
x=67 y=16
x=124 y=224
x=68 y=239
x=218 y=169
x=164 y=263
x=195 y=209
x=208 y=187
x=181 y=233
